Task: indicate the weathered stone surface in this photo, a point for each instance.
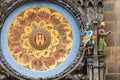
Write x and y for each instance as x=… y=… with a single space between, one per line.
x=118 y=26
x=112 y=67
x=117 y=6
x=118 y=51
x=119 y=68
x=110 y=16
x=118 y=39
x=114 y=50
x=111 y=26
x=110 y=40
x=108 y=50
x=109 y=6
x=111 y=77
x=108 y=53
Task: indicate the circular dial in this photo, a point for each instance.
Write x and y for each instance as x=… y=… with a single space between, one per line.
x=40 y=39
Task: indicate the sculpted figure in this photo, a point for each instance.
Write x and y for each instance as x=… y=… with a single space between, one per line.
x=88 y=38
x=101 y=37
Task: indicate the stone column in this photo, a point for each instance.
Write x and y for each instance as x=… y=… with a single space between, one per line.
x=90 y=73
x=101 y=72
x=102 y=66
x=96 y=71
x=90 y=60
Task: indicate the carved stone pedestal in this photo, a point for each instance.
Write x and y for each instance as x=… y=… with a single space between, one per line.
x=102 y=66
x=95 y=72
x=90 y=61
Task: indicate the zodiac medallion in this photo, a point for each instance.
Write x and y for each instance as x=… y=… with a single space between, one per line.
x=40 y=41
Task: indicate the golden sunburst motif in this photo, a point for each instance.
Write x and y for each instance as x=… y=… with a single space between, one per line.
x=40 y=39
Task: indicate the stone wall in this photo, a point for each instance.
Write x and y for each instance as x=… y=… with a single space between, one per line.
x=112 y=19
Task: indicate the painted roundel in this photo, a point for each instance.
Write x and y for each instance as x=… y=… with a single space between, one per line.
x=40 y=39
